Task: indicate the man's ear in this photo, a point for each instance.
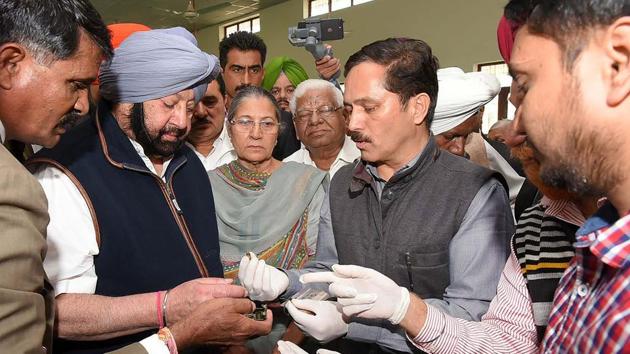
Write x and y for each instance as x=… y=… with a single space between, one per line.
x=11 y=54
x=418 y=106
x=617 y=41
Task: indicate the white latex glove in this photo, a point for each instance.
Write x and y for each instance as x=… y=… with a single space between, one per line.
x=292 y=348
x=262 y=282
x=325 y=325
x=364 y=292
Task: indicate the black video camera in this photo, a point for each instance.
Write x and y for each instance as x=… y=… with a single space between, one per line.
x=311 y=34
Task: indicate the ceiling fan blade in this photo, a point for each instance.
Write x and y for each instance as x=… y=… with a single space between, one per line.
x=168 y=10
x=217 y=7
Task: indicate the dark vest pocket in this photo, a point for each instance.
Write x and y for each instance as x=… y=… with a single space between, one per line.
x=425 y=273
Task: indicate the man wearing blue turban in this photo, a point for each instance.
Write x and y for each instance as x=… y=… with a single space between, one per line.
x=132 y=212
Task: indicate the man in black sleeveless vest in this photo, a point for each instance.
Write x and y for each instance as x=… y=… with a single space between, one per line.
x=132 y=212
x=435 y=223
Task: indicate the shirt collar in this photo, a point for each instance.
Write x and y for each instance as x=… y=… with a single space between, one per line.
x=140 y=150
x=604 y=217
x=374 y=172
x=607 y=236
x=2 y=133
x=564 y=210
x=349 y=151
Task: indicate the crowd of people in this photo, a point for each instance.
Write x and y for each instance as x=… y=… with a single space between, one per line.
x=156 y=198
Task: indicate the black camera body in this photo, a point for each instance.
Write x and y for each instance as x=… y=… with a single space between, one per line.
x=311 y=34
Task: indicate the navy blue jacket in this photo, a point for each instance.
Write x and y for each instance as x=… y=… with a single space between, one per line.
x=152 y=235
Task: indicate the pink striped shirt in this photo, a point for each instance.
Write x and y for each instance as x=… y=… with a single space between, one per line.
x=508 y=326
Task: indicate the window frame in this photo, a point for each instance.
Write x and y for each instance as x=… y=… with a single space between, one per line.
x=310 y=7
x=249 y=20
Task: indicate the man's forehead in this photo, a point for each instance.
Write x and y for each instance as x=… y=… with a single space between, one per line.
x=186 y=95
x=527 y=50
x=84 y=63
x=316 y=95
x=244 y=58
x=213 y=89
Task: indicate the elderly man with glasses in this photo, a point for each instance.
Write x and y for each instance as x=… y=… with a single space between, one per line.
x=320 y=123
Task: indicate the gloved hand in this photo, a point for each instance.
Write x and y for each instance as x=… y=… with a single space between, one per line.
x=292 y=348
x=324 y=325
x=364 y=292
x=262 y=282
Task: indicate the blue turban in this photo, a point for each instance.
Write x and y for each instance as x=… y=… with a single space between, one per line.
x=154 y=64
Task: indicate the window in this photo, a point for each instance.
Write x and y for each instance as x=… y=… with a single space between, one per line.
x=248 y=25
x=500 y=107
x=320 y=7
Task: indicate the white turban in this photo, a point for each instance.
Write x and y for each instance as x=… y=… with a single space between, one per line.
x=154 y=64
x=460 y=96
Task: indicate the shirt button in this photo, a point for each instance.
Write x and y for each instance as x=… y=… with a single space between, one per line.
x=582 y=290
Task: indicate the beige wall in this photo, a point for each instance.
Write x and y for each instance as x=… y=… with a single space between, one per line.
x=461 y=32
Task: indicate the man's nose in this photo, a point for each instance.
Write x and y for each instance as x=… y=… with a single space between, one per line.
x=82 y=105
x=458 y=146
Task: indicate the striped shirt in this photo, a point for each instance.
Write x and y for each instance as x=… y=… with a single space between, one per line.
x=508 y=326
x=591 y=312
x=543 y=245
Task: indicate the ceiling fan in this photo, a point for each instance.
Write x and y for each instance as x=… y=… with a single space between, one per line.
x=191 y=13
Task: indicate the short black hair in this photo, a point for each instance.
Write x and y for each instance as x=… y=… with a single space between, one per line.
x=221 y=84
x=517 y=11
x=51 y=29
x=570 y=23
x=242 y=41
x=411 y=68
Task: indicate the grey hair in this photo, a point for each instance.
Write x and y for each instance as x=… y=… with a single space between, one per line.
x=315 y=84
x=252 y=92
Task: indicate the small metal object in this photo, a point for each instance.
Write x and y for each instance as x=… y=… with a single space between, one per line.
x=311 y=294
x=260 y=312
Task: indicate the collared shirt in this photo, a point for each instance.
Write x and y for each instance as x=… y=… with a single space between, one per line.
x=508 y=326
x=473 y=276
x=222 y=152
x=591 y=312
x=379 y=183
x=71 y=238
x=348 y=153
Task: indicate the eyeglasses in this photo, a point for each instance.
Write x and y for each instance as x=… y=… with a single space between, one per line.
x=245 y=125
x=324 y=112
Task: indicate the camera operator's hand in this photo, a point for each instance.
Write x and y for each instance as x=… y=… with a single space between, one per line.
x=327 y=67
x=325 y=324
x=286 y=347
x=364 y=292
x=220 y=321
x=187 y=296
x=263 y=282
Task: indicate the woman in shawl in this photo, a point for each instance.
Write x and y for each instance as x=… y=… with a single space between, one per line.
x=263 y=205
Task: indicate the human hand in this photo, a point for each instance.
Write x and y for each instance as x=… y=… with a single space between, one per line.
x=187 y=296
x=325 y=324
x=263 y=282
x=291 y=348
x=327 y=66
x=220 y=321
x=364 y=292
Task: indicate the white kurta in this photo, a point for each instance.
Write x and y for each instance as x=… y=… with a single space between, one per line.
x=222 y=152
x=347 y=155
